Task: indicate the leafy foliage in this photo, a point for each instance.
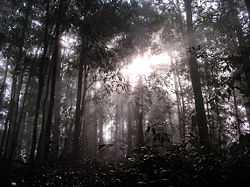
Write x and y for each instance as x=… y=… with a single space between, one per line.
x=146 y=166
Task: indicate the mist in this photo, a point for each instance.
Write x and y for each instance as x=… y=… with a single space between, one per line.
x=108 y=93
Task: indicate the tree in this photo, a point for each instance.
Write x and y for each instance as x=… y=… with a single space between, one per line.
x=41 y=78
x=195 y=78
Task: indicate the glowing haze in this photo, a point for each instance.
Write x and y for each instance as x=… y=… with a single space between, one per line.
x=144 y=65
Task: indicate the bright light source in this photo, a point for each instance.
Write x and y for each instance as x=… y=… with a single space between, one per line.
x=68 y=42
x=107 y=131
x=144 y=65
x=98 y=85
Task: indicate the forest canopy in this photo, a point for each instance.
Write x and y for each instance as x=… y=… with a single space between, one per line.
x=112 y=83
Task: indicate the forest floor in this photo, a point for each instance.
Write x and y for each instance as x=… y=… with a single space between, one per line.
x=145 y=167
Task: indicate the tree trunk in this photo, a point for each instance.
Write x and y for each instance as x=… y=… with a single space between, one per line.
x=183 y=109
x=57 y=116
x=140 y=134
x=100 y=125
x=195 y=79
x=45 y=146
x=2 y=91
x=44 y=112
x=247 y=2
x=45 y=143
x=129 y=129
x=6 y=132
x=17 y=84
x=55 y=60
x=236 y=112
x=77 y=130
x=171 y=124
x=40 y=86
x=247 y=107
x=179 y=113
x=83 y=110
x=21 y=115
x=3 y=85
x=80 y=103
x=14 y=113
x=219 y=124
x=116 y=136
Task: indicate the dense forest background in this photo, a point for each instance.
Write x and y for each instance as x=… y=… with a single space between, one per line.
x=124 y=92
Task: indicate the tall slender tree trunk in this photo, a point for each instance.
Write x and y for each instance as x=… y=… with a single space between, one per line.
x=17 y=83
x=46 y=140
x=2 y=91
x=116 y=136
x=195 y=79
x=83 y=109
x=13 y=118
x=178 y=107
x=80 y=103
x=219 y=124
x=21 y=115
x=179 y=112
x=172 y=134
x=3 y=85
x=6 y=132
x=77 y=129
x=95 y=140
x=57 y=116
x=236 y=112
x=55 y=60
x=44 y=116
x=129 y=129
x=207 y=79
x=45 y=144
x=183 y=109
x=21 y=139
x=140 y=134
x=40 y=86
x=100 y=125
x=247 y=2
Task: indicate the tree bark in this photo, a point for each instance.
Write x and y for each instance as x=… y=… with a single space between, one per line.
x=83 y=110
x=77 y=129
x=6 y=132
x=14 y=113
x=100 y=125
x=183 y=109
x=55 y=60
x=129 y=129
x=247 y=2
x=57 y=116
x=236 y=112
x=3 y=85
x=44 y=116
x=140 y=134
x=21 y=115
x=179 y=112
x=45 y=143
x=40 y=86
x=2 y=91
x=195 y=79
